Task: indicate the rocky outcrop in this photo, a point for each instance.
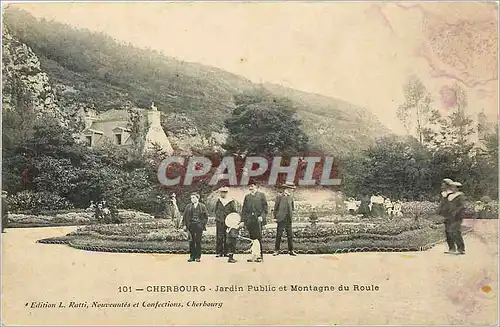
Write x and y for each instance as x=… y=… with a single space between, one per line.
x=185 y=135
x=23 y=77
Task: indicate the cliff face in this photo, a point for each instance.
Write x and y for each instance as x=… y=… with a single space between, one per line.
x=23 y=78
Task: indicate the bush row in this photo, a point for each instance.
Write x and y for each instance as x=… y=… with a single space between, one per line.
x=73 y=218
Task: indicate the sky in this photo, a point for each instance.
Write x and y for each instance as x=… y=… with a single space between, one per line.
x=361 y=52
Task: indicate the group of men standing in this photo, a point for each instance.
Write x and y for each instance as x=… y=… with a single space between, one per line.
x=254 y=214
x=452 y=206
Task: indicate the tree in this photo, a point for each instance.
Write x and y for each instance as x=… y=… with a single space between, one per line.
x=455 y=128
x=18 y=116
x=398 y=168
x=138 y=129
x=261 y=125
x=416 y=111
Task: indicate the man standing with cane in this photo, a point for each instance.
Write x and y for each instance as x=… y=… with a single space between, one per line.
x=254 y=214
x=283 y=214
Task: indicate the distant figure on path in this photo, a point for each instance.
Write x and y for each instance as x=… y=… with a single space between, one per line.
x=5 y=211
x=364 y=207
x=174 y=212
x=223 y=207
x=283 y=214
x=254 y=214
x=388 y=206
x=454 y=214
x=195 y=220
x=377 y=202
x=397 y=210
x=351 y=206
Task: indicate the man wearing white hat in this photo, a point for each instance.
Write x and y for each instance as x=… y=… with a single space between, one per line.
x=283 y=214
x=454 y=214
x=223 y=207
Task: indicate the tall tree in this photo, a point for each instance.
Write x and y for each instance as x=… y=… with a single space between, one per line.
x=416 y=111
x=264 y=126
x=455 y=128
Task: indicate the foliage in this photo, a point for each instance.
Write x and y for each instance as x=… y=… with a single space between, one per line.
x=138 y=129
x=36 y=201
x=416 y=111
x=67 y=217
x=263 y=125
x=396 y=168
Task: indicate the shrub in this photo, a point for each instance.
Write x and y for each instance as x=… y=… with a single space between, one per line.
x=35 y=202
x=419 y=208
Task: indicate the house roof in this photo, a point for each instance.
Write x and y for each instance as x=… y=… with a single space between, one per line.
x=92 y=130
x=122 y=128
x=113 y=115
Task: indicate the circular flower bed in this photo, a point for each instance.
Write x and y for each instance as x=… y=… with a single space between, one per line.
x=162 y=237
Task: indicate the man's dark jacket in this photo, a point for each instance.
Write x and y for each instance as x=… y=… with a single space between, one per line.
x=254 y=205
x=189 y=214
x=221 y=211
x=283 y=208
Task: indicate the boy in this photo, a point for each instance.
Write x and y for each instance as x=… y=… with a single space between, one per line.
x=195 y=219
x=232 y=222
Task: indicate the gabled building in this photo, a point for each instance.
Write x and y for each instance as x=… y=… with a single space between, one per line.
x=112 y=127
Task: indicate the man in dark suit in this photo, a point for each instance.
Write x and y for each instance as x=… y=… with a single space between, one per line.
x=283 y=215
x=254 y=214
x=5 y=211
x=195 y=219
x=443 y=212
x=454 y=216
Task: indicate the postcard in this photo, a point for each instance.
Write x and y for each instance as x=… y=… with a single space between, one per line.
x=253 y=163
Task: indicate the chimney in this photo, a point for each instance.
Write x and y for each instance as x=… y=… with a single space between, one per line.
x=154 y=116
x=90 y=117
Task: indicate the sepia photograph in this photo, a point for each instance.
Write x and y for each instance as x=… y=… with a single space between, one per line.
x=249 y=163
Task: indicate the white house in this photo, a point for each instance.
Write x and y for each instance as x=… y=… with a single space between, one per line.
x=112 y=126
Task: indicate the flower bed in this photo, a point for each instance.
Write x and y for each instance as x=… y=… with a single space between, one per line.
x=67 y=218
x=161 y=237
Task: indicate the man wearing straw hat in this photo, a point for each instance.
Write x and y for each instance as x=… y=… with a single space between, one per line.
x=283 y=214
x=454 y=214
x=223 y=207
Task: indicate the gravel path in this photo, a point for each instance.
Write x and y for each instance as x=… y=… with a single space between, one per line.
x=414 y=288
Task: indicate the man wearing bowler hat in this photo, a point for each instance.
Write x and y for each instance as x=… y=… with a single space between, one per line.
x=254 y=214
x=283 y=214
